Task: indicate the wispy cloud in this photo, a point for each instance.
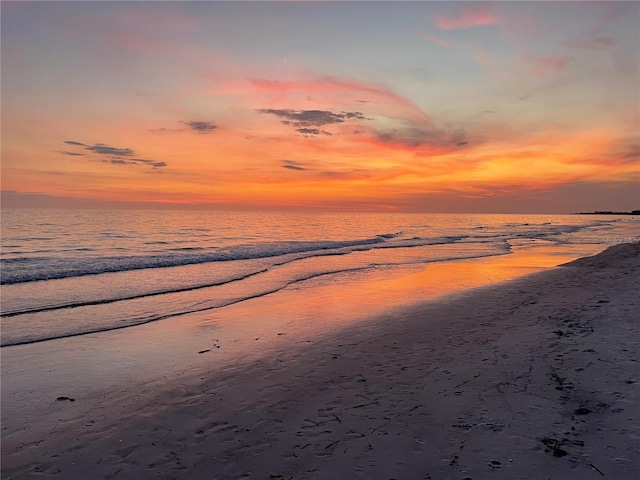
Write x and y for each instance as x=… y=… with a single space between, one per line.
x=627 y=152
x=103 y=149
x=436 y=40
x=593 y=39
x=413 y=137
x=72 y=154
x=545 y=65
x=339 y=91
x=136 y=161
x=312 y=118
x=312 y=131
x=137 y=28
x=293 y=167
x=467 y=16
x=305 y=121
x=200 y=127
x=119 y=156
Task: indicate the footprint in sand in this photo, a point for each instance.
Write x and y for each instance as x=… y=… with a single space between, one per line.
x=200 y=437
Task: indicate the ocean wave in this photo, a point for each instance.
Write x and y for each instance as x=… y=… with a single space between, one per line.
x=175 y=308
x=50 y=268
x=176 y=283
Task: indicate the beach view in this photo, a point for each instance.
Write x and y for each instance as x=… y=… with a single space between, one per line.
x=320 y=240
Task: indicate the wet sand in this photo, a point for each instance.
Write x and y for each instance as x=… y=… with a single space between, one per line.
x=533 y=378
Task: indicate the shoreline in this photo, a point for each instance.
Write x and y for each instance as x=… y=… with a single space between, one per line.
x=483 y=382
x=151 y=356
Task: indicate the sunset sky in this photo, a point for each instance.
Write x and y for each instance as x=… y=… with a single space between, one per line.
x=380 y=106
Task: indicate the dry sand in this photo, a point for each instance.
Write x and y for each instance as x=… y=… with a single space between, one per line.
x=533 y=379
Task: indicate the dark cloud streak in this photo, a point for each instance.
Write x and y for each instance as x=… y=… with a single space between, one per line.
x=73 y=154
x=412 y=137
x=200 y=127
x=136 y=161
x=312 y=131
x=312 y=118
x=115 y=153
x=103 y=149
x=293 y=167
x=306 y=122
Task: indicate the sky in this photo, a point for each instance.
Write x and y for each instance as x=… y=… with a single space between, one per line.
x=496 y=107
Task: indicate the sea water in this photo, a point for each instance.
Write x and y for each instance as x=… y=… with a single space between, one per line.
x=74 y=272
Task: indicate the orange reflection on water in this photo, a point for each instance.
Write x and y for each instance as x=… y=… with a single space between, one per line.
x=349 y=297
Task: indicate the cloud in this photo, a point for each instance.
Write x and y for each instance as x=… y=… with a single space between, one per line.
x=312 y=131
x=354 y=174
x=312 y=118
x=135 y=161
x=629 y=152
x=467 y=16
x=200 y=127
x=411 y=137
x=546 y=65
x=293 y=167
x=136 y=28
x=103 y=149
x=157 y=164
x=591 y=40
x=435 y=40
x=73 y=154
x=115 y=153
x=352 y=108
x=632 y=155
x=462 y=143
x=339 y=90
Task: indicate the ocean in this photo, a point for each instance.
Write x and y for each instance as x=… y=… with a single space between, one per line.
x=74 y=272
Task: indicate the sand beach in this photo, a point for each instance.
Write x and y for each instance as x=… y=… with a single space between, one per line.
x=534 y=378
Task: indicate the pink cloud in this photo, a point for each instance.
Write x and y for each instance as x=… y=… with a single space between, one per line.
x=380 y=117
x=137 y=28
x=339 y=90
x=435 y=40
x=480 y=54
x=546 y=65
x=466 y=17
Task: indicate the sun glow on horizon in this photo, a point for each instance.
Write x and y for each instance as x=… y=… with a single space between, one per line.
x=448 y=104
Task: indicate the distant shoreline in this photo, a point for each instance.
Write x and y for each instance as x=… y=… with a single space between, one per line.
x=605 y=212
